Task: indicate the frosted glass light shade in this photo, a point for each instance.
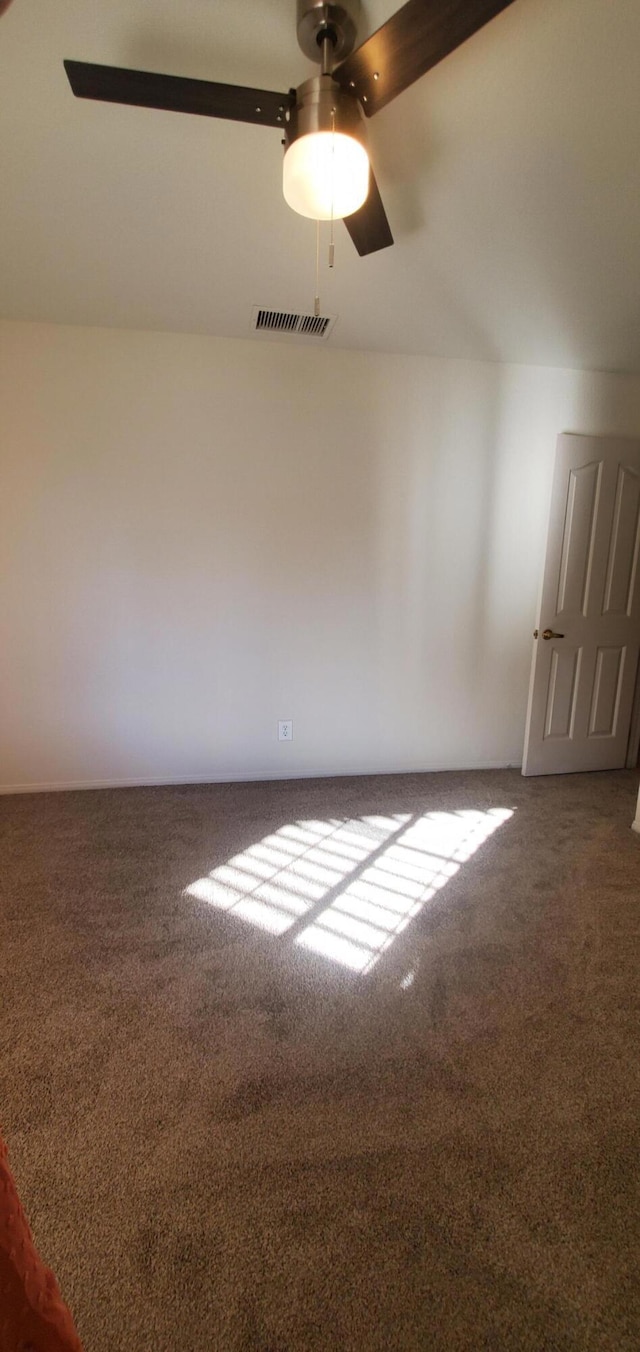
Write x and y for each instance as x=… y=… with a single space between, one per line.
x=325 y=174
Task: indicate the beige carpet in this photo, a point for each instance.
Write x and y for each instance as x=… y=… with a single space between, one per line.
x=226 y=1140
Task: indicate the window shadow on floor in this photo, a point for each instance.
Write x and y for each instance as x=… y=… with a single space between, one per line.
x=346 y=888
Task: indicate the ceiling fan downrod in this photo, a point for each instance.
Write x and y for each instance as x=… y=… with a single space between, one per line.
x=327 y=42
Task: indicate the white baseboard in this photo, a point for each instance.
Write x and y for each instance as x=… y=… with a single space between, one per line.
x=232 y=777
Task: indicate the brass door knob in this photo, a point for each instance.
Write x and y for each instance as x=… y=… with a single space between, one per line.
x=547 y=633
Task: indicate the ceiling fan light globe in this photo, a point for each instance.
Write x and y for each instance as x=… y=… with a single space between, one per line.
x=325 y=175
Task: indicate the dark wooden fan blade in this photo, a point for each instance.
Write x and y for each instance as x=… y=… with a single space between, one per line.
x=413 y=40
x=176 y=94
x=369 y=227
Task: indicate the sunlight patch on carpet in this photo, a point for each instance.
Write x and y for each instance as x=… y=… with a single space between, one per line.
x=347 y=889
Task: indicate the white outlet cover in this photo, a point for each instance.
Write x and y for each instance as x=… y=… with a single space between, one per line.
x=285 y=730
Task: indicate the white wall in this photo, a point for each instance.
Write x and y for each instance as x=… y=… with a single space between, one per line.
x=200 y=536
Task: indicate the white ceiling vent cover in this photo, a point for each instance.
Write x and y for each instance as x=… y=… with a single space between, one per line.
x=287 y=324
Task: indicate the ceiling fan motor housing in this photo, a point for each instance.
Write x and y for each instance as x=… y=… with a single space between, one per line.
x=321 y=105
x=315 y=18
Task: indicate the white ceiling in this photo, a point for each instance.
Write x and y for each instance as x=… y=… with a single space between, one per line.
x=510 y=175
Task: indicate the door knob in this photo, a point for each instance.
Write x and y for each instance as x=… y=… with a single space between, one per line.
x=547 y=633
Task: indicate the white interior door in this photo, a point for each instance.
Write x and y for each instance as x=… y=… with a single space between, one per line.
x=586 y=650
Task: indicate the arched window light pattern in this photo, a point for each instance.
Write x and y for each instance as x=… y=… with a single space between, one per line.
x=347 y=889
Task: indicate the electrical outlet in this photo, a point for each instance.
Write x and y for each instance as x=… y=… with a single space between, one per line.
x=285 y=730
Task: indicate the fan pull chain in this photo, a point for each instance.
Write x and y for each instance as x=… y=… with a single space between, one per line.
x=316 y=304
x=326 y=62
x=333 y=151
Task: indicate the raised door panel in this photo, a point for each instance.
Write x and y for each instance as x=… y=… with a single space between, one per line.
x=607 y=688
x=578 y=539
x=562 y=693
x=620 y=593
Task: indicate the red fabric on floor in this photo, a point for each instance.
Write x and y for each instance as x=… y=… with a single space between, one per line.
x=33 y=1315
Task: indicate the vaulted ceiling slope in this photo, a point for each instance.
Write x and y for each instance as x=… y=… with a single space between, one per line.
x=510 y=174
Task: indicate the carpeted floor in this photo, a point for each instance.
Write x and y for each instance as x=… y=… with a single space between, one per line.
x=227 y=1141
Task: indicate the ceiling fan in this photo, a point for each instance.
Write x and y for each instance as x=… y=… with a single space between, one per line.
x=326 y=167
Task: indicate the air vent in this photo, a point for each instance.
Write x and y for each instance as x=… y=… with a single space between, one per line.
x=287 y=324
